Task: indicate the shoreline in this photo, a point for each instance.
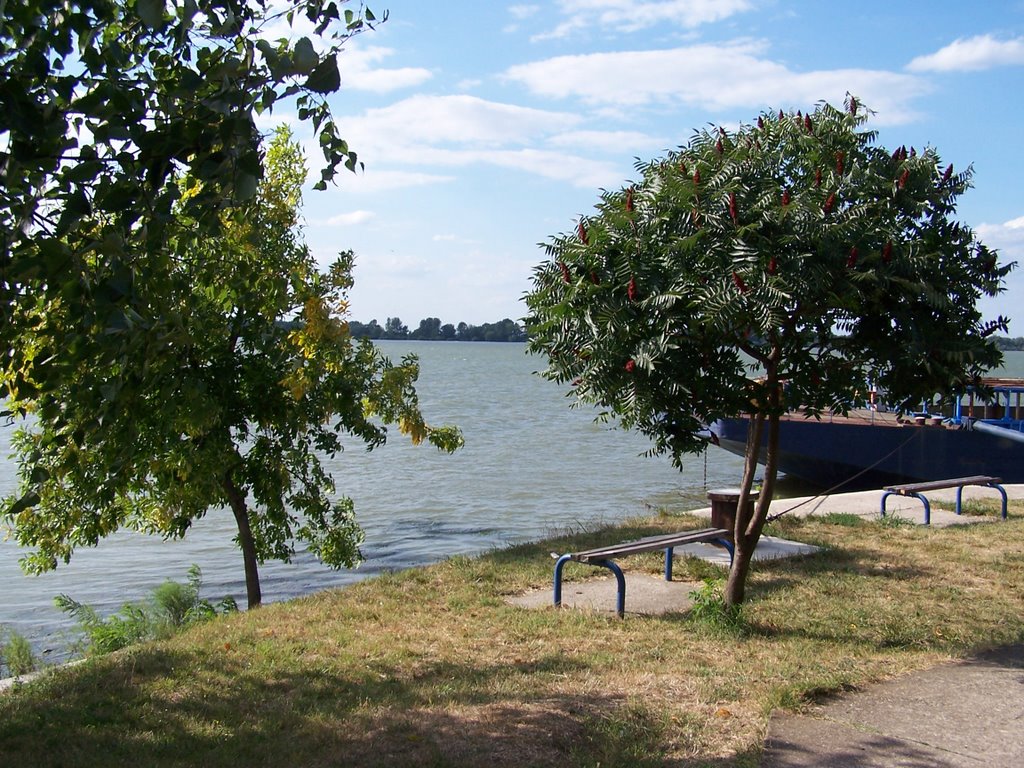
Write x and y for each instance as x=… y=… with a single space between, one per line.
x=860 y=503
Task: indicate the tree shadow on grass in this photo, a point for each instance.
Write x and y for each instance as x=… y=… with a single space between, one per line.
x=159 y=707
x=851 y=560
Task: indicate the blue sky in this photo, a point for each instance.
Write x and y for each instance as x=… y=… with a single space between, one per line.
x=487 y=127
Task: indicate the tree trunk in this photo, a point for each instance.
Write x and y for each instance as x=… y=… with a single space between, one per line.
x=736 y=584
x=245 y=541
x=750 y=522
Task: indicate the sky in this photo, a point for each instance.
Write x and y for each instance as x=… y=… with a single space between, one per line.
x=488 y=127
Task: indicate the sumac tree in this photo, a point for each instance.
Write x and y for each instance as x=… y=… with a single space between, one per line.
x=759 y=270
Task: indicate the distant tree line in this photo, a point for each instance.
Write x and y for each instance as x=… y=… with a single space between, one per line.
x=431 y=329
x=1010 y=344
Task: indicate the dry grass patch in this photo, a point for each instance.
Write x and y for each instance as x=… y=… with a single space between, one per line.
x=431 y=667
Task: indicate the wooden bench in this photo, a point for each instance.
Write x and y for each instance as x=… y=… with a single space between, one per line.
x=602 y=556
x=917 y=490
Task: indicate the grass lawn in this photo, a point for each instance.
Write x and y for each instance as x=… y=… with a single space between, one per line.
x=431 y=667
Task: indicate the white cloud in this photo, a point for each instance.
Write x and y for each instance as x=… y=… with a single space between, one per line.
x=579 y=171
x=636 y=15
x=458 y=120
x=608 y=141
x=373 y=181
x=563 y=30
x=348 y=219
x=715 y=77
x=358 y=71
x=972 y=54
x=523 y=11
x=1008 y=239
x=459 y=131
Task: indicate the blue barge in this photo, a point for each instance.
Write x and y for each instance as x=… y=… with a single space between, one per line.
x=872 y=448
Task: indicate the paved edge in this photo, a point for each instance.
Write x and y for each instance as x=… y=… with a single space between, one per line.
x=962 y=713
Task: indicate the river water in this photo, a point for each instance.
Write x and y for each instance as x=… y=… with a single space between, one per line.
x=530 y=467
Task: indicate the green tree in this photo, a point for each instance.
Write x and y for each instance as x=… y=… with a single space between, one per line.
x=237 y=409
x=370 y=330
x=429 y=329
x=795 y=241
x=104 y=106
x=394 y=328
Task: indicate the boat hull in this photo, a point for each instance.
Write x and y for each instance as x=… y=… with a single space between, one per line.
x=858 y=456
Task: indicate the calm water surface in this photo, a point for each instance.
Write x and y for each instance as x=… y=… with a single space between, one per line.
x=530 y=467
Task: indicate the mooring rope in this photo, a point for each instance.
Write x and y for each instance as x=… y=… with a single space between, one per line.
x=825 y=494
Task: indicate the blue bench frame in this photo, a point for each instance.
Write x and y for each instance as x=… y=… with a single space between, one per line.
x=917 y=491
x=602 y=557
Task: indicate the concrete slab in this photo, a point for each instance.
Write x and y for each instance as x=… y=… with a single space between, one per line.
x=768 y=548
x=645 y=595
x=969 y=713
x=648 y=594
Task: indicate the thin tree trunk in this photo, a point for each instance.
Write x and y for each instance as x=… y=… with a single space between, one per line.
x=736 y=583
x=236 y=499
x=750 y=519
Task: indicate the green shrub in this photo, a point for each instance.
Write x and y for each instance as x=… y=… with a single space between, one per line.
x=710 y=608
x=16 y=655
x=172 y=607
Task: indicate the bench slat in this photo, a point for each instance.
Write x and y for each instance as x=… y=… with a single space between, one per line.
x=935 y=485
x=651 y=544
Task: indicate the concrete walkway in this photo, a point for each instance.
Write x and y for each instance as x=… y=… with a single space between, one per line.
x=969 y=714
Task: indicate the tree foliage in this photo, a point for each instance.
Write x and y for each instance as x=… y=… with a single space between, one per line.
x=431 y=329
x=795 y=243
x=104 y=106
x=237 y=409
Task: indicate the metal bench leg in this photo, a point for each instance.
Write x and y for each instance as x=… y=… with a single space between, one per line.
x=885 y=496
x=1002 y=492
x=927 y=508
x=558 y=578
x=668 y=563
x=730 y=547
x=620 y=600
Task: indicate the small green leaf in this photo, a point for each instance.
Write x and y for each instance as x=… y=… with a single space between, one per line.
x=151 y=12
x=246 y=186
x=305 y=58
x=325 y=78
x=30 y=499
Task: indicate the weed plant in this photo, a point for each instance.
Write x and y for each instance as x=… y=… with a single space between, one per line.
x=710 y=609
x=172 y=607
x=16 y=657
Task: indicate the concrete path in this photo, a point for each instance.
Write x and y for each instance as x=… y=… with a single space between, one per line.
x=969 y=714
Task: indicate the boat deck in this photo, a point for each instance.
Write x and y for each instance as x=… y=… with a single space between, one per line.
x=874 y=418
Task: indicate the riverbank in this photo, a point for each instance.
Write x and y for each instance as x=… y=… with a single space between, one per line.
x=433 y=667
